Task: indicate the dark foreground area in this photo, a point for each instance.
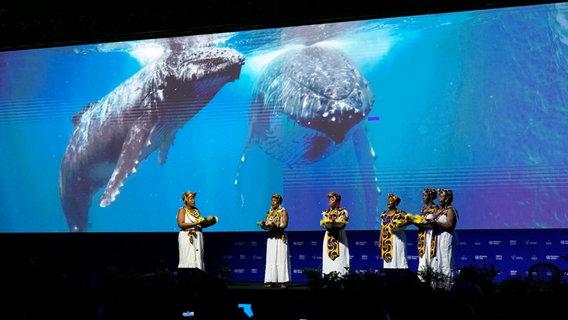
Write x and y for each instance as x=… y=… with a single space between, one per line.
x=34 y=291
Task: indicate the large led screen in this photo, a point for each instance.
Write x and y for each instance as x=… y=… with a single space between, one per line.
x=106 y=137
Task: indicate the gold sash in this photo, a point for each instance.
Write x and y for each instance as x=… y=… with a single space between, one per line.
x=332 y=247
x=421 y=242
x=386 y=248
x=433 y=244
x=422 y=233
x=386 y=226
x=275 y=215
x=191 y=234
x=192 y=231
x=332 y=241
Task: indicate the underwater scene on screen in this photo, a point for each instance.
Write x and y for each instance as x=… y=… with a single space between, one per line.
x=107 y=137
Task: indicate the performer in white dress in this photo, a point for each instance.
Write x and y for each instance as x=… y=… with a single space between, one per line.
x=426 y=247
x=335 y=256
x=392 y=237
x=445 y=223
x=190 y=237
x=277 y=271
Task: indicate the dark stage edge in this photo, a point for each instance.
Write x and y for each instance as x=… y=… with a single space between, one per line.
x=251 y=292
x=253 y=286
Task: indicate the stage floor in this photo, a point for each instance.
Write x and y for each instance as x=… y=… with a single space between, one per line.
x=293 y=286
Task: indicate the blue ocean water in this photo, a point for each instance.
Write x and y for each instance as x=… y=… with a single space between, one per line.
x=469 y=101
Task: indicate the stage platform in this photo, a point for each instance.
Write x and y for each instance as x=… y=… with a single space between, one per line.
x=258 y=287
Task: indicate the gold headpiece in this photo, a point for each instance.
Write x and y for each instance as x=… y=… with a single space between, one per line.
x=277 y=197
x=186 y=195
x=446 y=193
x=336 y=196
x=430 y=192
x=395 y=198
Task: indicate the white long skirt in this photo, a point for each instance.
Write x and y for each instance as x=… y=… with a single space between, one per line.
x=341 y=263
x=277 y=261
x=191 y=254
x=399 y=260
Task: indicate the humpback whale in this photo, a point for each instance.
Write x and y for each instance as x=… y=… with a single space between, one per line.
x=113 y=135
x=307 y=103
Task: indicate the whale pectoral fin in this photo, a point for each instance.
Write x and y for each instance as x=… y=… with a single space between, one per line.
x=242 y=161
x=165 y=148
x=365 y=154
x=366 y=163
x=136 y=142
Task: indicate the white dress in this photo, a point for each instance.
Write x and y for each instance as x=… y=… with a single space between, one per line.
x=191 y=247
x=444 y=261
x=397 y=241
x=277 y=268
x=425 y=261
x=341 y=263
x=399 y=260
x=277 y=261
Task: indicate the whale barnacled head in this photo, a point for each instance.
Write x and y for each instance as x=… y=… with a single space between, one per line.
x=306 y=103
